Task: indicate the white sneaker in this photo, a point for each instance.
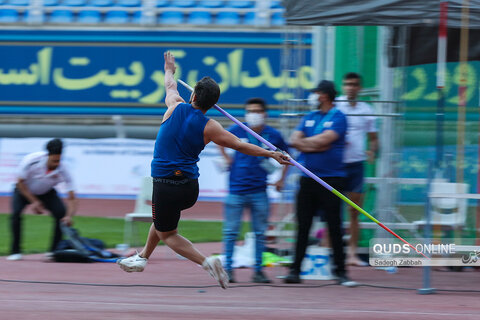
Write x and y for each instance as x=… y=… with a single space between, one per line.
x=346 y=281
x=214 y=266
x=15 y=257
x=134 y=263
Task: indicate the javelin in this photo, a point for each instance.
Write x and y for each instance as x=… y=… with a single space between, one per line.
x=307 y=172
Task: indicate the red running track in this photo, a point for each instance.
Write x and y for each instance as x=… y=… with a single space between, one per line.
x=171 y=288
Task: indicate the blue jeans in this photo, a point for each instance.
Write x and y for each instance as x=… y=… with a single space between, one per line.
x=259 y=208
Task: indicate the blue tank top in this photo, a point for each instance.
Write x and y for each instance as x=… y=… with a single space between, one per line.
x=179 y=142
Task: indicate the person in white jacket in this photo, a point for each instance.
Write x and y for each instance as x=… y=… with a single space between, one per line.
x=38 y=174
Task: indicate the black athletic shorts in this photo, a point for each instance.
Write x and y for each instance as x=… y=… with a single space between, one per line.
x=170 y=196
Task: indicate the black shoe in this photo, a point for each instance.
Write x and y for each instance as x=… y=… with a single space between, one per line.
x=259 y=277
x=346 y=281
x=292 y=277
x=231 y=278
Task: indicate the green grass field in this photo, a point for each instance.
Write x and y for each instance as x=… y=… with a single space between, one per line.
x=37 y=231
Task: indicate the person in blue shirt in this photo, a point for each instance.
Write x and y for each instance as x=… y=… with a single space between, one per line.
x=183 y=134
x=320 y=137
x=248 y=187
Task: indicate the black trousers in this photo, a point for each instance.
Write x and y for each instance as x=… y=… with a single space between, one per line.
x=170 y=196
x=50 y=201
x=310 y=198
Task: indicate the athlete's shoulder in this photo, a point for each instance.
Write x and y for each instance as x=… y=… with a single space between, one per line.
x=184 y=105
x=212 y=124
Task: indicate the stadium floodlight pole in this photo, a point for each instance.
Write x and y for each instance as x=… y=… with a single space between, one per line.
x=307 y=172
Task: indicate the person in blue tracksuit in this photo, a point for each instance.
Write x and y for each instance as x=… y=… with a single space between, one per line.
x=248 y=187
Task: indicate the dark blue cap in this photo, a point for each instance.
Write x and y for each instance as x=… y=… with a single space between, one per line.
x=327 y=87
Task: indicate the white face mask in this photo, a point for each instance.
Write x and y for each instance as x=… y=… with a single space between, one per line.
x=254 y=119
x=313 y=100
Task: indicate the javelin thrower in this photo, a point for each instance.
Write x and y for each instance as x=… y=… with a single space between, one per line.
x=183 y=134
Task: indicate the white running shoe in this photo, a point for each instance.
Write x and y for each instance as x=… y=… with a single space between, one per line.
x=15 y=257
x=134 y=263
x=214 y=266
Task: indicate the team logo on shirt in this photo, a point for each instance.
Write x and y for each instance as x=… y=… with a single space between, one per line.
x=327 y=124
x=309 y=123
x=178 y=173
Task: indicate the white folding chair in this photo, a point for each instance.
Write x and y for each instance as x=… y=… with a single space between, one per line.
x=142 y=212
x=448 y=212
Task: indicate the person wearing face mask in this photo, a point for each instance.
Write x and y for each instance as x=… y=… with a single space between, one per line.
x=320 y=137
x=247 y=187
x=39 y=173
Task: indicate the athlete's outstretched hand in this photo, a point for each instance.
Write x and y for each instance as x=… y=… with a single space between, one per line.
x=169 y=62
x=280 y=157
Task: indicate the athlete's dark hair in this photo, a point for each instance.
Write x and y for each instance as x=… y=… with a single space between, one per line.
x=207 y=92
x=54 y=146
x=259 y=101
